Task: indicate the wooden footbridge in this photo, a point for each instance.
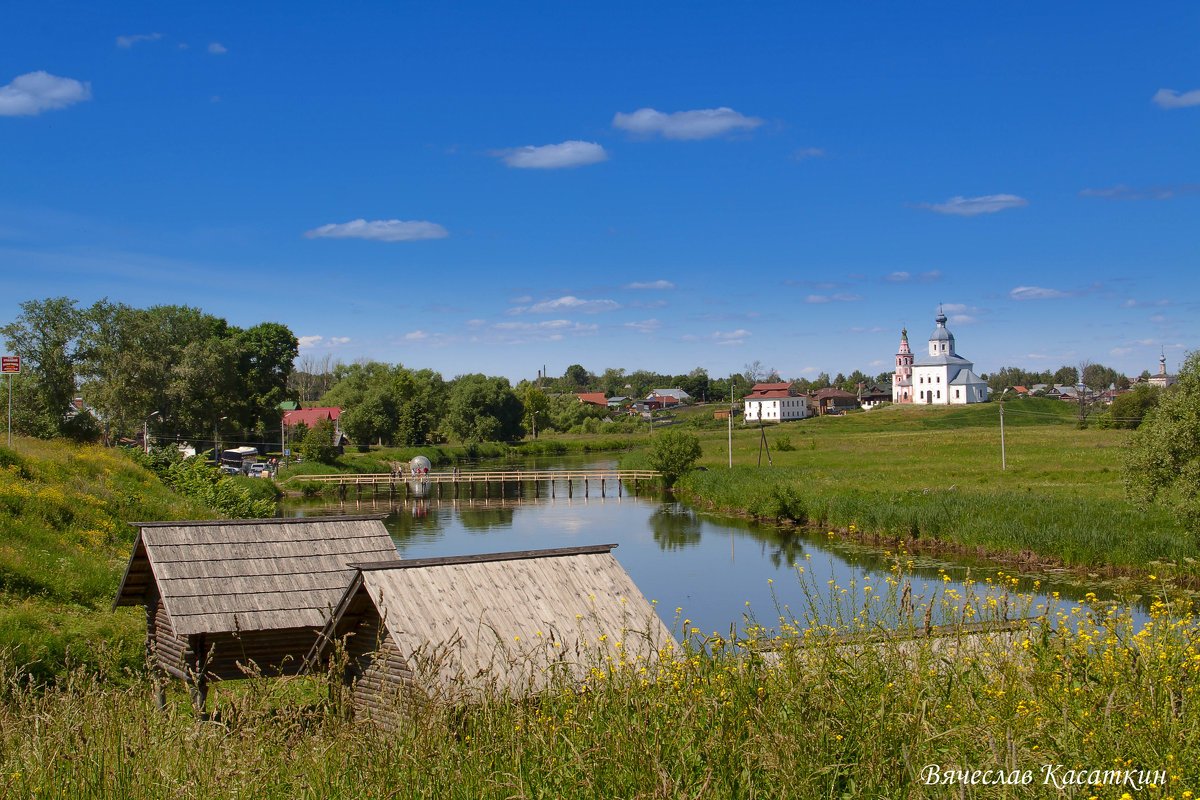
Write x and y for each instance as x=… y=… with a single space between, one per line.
x=469 y=484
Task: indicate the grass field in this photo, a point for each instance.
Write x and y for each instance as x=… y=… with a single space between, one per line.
x=715 y=719
x=935 y=473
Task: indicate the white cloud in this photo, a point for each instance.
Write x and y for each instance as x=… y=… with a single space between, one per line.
x=1169 y=98
x=217 y=49
x=699 y=124
x=1131 y=303
x=553 y=156
x=522 y=299
x=475 y=323
x=130 y=41
x=660 y=284
x=973 y=206
x=730 y=337
x=1158 y=318
x=826 y=285
x=567 y=303
x=383 y=230
x=898 y=277
x=416 y=336
x=1036 y=293
x=34 y=92
x=309 y=342
x=840 y=297
x=1159 y=192
x=552 y=330
x=646 y=326
x=960 y=308
x=651 y=304
x=962 y=319
x=805 y=153
x=1120 y=351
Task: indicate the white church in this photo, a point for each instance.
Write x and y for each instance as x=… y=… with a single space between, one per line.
x=941 y=378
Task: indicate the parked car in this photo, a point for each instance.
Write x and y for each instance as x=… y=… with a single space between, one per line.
x=258 y=470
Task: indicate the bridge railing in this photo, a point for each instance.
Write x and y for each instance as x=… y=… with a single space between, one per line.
x=483 y=476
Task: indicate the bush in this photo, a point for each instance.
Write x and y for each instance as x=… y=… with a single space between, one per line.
x=673 y=453
x=784 y=444
x=317 y=444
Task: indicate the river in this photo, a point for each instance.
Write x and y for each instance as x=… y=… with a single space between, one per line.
x=717 y=570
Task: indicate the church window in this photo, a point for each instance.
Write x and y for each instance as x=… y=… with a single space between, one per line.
x=939 y=394
x=957 y=394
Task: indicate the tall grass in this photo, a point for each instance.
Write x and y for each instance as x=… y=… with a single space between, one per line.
x=63 y=544
x=790 y=714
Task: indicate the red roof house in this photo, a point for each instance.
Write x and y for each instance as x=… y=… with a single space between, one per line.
x=311 y=416
x=595 y=398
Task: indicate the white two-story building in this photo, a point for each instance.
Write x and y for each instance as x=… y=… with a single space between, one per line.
x=773 y=402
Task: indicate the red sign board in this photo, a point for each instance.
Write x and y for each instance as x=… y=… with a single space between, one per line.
x=10 y=364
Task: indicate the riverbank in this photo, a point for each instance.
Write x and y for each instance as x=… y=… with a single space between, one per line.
x=931 y=479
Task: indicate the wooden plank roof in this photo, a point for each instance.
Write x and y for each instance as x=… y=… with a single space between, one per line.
x=242 y=575
x=508 y=621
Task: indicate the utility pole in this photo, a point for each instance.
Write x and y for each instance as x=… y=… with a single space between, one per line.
x=1003 y=460
x=731 y=428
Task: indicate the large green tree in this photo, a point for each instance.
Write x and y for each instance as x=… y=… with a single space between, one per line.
x=1162 y=461
x=47 y=336
x=483 y=409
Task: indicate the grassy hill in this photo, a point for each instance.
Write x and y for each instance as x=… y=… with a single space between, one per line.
x=64 y=542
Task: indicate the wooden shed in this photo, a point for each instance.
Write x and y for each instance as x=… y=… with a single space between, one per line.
x=223 y=597
x=453 y=629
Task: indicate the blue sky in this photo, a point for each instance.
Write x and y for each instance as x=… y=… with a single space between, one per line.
x=494 y=187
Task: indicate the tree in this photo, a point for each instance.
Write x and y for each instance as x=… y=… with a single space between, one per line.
x=1066 y=376
x=483 y=409
x=1162 y=458
x=47 y=336
x=575 y=378
x=374 y=419
x=536 y=407
x=673 y=453
x=267 y=353
x=317 y=442
x=1129 y=409
x=1098 y=376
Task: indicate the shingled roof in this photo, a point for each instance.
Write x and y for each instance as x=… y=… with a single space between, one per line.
x=249 y=575
x=508 y=620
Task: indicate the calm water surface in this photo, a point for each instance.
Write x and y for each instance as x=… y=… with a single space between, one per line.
x=708 y=565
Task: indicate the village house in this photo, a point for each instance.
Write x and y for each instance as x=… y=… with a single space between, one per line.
x=595 y=398
x=774 y=402
x=833 y=400
x=309 y=417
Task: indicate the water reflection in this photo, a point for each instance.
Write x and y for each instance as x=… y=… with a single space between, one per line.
x=709 y=565
x=675 y=527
